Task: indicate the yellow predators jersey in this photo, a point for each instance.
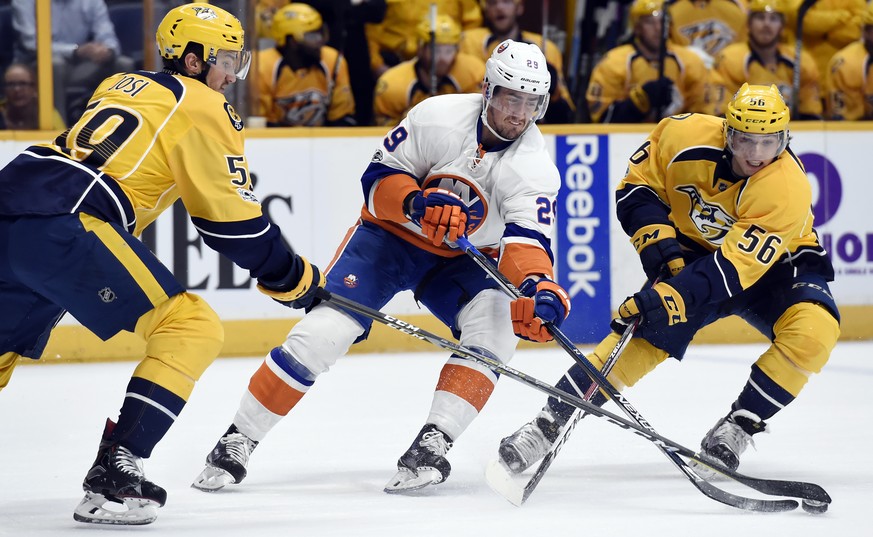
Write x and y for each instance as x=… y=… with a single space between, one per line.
x=399 y=88
x=397 y=33
x=624 y=67
x=681 y=176
x=737 y=64
x=145 y=140
x=708 y=25
x=300 y=98
x=828 y=26
x=849 y=85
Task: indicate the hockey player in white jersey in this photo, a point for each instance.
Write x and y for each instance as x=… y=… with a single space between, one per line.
x=470 y=165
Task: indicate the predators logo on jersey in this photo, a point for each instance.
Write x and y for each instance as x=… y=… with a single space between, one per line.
x=711 y=221
x=711 y=35
x=307 y=108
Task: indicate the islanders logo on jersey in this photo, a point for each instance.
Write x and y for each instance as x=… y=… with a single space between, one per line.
x=711 y=220
x=467 y=191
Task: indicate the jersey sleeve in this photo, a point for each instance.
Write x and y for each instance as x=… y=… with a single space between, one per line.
x=606 y=85
x=212 y=176
x=528 y=212
x=342 y=103
x=640 y=196
x=810 y=94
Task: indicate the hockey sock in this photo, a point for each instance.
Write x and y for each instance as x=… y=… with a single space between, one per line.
x=146 y=415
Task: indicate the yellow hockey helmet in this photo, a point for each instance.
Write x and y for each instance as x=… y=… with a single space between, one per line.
x=758 y=110
x=447 y=31
x=296 y=20
x=484 y=3
x=645 y=8
x=207 y=25
x=768 y=6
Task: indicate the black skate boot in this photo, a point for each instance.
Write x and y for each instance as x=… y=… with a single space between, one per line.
x=727 y=440
x=520 y=450
x=116 y=490
x=424 y=463
x=226 y=463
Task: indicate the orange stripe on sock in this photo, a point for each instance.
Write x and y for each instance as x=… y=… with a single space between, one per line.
x=272 y=392
x=468 y=384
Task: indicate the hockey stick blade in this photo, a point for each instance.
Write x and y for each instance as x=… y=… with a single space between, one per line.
x=613 y=393
x=501 y=481
x=549 y=457
x=787 y=488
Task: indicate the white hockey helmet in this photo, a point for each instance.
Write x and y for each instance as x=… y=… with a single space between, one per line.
x=521 y=67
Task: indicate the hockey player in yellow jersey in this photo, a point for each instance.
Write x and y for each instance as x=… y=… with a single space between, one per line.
x=70 y=212
x=395 y=39
x=763 y=59
x=721 y=211
x=624 y=86
x=708 y=25
x=407 y=84
x=501 y=23
x=302 y=82
x=849 y=82
x=828 y=26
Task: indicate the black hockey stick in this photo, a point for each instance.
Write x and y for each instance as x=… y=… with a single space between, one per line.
x=433 y=49
x=498 y=476
x=662 y=47
x=611 y=391
x=798 y=47
x=796 y=489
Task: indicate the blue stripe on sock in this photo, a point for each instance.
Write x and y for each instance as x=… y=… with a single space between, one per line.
x=292 y=367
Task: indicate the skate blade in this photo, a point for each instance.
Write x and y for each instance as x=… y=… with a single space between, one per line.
x=500 y=479
x=405 y=480
x=98 y=509
x=212 y=479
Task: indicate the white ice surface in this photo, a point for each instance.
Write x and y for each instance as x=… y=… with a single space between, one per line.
x=320 y=472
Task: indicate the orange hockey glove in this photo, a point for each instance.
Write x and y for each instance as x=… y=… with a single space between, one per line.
x=440 y=213
x=545 y=303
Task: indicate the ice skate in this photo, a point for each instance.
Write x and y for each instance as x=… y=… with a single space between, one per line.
x=116 y=490
x=226 y=463
x=424 y=463
x=520 y=450
x=727 y=440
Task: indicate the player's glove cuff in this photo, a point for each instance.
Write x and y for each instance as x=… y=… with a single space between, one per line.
x=660 y=253
x=660 y=305
x=297 y=288
x=545 y=303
